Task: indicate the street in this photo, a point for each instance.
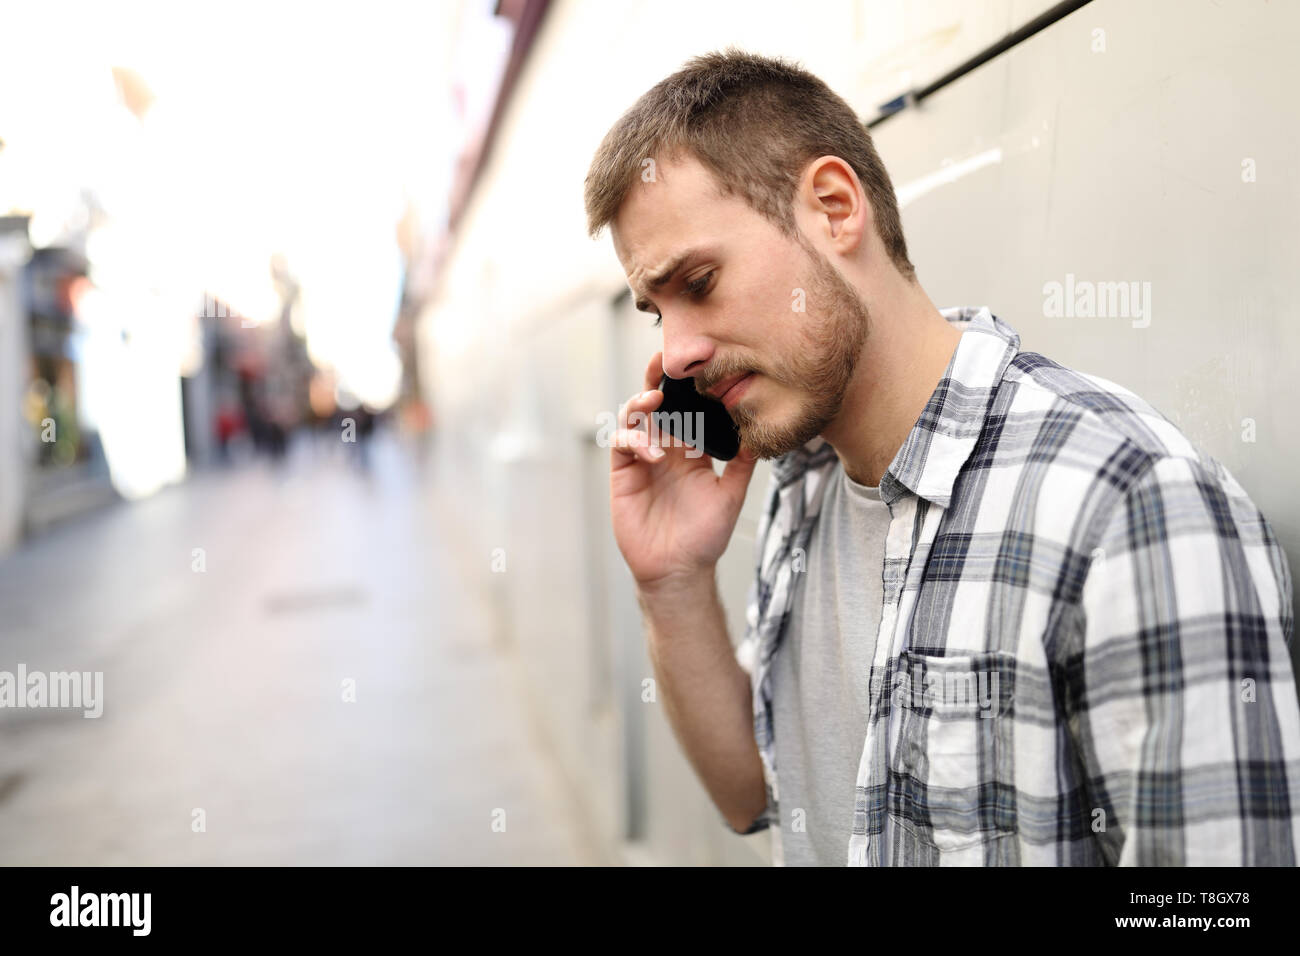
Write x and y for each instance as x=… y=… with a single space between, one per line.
x=295 y=671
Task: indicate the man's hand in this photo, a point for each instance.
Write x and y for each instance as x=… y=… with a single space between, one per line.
x=672 y=515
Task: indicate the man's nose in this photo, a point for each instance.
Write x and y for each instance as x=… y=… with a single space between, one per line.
x=685 y=355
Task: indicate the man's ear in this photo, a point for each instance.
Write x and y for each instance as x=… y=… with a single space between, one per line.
x=834 y=198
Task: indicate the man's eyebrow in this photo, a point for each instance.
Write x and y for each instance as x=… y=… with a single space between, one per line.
x=664 y=277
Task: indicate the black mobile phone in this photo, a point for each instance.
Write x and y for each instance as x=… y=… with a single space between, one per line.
x=698 y=420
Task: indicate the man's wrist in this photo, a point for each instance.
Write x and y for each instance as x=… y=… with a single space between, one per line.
x=679 y=583
x=676 y=591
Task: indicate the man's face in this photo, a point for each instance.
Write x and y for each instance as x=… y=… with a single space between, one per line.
x=734 y=305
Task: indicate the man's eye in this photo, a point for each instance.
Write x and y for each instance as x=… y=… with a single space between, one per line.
x=696 y=288
x=700 y=284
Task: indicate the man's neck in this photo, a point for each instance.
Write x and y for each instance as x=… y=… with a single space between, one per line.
x=903 y=360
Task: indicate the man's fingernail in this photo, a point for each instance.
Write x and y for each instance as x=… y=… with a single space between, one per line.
x=656 y=451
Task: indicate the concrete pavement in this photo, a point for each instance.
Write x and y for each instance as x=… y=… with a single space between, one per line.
x=228 y=615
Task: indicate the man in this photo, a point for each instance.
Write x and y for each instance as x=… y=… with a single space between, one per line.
x=1004 y=612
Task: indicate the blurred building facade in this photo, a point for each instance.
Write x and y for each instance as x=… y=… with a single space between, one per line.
x=15 y=251
x=210 y=252
x=51 y=456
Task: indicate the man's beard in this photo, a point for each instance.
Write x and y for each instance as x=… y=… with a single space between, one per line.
x=835 y=328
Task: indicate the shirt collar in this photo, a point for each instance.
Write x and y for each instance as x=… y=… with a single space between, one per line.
x=944 y=435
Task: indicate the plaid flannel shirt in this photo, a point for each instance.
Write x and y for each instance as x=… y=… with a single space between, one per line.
x=1083 y=655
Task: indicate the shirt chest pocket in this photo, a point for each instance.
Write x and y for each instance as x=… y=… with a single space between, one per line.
x=951 y=780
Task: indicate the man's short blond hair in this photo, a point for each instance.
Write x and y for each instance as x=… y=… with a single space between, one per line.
x=755 y=123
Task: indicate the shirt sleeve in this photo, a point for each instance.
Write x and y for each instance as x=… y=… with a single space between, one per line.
x=1180 y=695
x=747 y=648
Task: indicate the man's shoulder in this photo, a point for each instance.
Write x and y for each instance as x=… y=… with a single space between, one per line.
x=1078 y=445
x=1093 y=421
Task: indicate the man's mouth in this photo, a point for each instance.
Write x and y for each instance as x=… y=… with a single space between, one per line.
x=729 y=394
x=719 y=390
